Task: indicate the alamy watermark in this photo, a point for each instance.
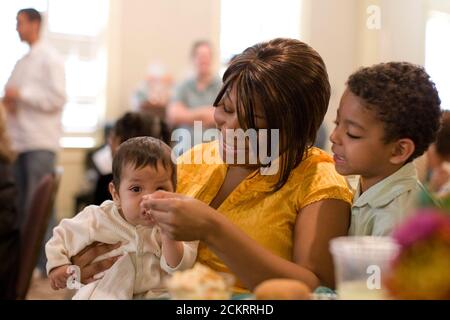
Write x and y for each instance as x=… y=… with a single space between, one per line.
x=373 y=21
x=235 y=147
x=374 y=280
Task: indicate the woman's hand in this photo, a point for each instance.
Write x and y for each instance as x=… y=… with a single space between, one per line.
x=85 y=257
x=180 y=217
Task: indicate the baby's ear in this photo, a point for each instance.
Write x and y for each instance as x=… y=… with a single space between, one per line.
x=114 y=194
x=402 y=151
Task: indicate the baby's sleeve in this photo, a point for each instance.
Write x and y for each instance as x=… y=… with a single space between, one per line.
x=187 y=261
x=69 y=238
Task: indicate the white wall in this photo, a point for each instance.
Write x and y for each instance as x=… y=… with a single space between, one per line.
x=154 y=30
x=338 y=30
x=332 y=31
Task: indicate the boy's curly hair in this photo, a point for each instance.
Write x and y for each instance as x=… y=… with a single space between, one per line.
x=404 y=98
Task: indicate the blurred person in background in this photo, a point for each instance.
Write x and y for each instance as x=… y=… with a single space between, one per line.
x=153 y=94
x=194 y=97
x=34 y=99
x=438 y=156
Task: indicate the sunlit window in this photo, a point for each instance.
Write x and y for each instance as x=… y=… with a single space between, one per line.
x=438 y=53
x=78 y=18
x=244 y=23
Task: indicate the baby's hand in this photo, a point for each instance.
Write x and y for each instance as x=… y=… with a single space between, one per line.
x=147 y=212
x=58 y=277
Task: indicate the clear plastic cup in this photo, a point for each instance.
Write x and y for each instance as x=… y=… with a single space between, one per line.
x=361 y=264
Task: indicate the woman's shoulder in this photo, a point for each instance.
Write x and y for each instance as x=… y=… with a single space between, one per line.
x=198 y=166
x=317 y=169
x=201 y=155
x=317 y=179
x=318 y=164
x=316 y=161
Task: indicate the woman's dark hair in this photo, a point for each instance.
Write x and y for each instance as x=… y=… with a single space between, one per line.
x=141 y=152
x=139 y=124
x=289 y=81
x=404 y=98
x=32 y=14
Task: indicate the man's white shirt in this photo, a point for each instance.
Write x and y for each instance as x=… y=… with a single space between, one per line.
x=40 y=78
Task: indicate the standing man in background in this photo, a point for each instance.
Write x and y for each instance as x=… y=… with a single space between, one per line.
x=34 y=99
x=193 y=98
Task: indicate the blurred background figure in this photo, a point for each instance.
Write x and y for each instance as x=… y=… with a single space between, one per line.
x=193 y=98
x=9 y=232
x=153 y=94
x=438 y=156
x=34 y=100
x=97 y=163
x=322 y=137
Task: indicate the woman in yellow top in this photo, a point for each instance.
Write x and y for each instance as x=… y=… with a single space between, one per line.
x=254 y=225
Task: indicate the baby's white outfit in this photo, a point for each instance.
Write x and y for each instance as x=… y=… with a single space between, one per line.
x=138 y=273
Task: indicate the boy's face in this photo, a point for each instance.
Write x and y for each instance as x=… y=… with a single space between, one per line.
x=134 y=184
x=358 y=144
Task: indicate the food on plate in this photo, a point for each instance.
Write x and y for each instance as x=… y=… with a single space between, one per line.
x=199 y=283
x=282 y=289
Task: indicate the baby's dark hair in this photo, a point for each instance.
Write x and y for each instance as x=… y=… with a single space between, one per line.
x=443 y=136
x=139 y=124
x=141 y=152
x=404 y=98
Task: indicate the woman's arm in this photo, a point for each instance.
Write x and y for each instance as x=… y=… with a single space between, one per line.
x=84 y=259
x=190 y=219
x=179 y=114
x=316 y=225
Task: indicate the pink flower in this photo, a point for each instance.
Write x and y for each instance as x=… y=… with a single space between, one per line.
x=421 y=226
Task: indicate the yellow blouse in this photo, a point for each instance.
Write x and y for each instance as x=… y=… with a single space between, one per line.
x=267 y=217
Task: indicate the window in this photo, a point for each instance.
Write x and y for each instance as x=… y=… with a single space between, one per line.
x=77 y=29
x=77 y=17
x=245 y=23
x=437 y=54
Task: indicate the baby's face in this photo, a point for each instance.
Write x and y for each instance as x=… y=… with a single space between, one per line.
x=136 y=183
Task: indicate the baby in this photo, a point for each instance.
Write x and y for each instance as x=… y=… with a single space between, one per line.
x=141 y=166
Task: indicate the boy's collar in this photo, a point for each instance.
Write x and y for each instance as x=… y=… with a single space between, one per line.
x=387 y=189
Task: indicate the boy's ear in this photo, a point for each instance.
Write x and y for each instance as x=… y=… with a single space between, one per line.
x=402 y=151
x=114 y=194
